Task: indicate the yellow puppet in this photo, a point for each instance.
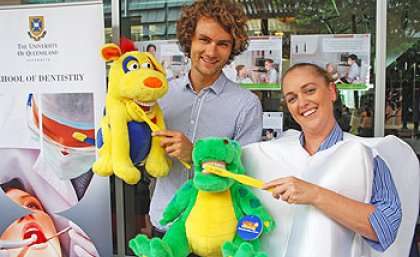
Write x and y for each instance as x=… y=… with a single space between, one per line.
x=136 y=81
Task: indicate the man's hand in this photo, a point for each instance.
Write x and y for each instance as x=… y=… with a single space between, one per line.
x=176 y=144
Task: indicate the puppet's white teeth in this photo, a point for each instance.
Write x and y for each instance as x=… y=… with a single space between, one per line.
x=148 y=104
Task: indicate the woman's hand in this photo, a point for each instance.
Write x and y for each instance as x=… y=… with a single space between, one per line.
x=293 y=190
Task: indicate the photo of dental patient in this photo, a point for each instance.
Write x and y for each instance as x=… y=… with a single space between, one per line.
x=37 y=234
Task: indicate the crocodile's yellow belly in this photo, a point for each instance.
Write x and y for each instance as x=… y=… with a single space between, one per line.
x=212 y=221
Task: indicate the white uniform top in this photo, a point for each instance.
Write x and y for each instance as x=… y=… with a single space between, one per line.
x=346 y=168
x=404 y=167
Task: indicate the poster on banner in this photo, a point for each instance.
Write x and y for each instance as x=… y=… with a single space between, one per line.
x=259 y=67
x=272 y=125
x=52 y=92
x=345 y=56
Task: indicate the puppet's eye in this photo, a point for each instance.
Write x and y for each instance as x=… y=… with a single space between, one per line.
x=130 y=63
x=133 y=66
x=146 y=65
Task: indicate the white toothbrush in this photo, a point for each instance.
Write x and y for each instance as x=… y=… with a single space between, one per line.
x=12 y=244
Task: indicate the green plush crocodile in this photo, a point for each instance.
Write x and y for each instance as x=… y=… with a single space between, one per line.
x=206 y=210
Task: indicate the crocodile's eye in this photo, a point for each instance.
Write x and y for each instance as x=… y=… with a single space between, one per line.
x=226 y=142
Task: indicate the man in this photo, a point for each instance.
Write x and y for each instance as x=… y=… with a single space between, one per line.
x=204 y=103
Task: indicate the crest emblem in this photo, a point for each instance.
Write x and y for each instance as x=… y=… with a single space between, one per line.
x=36 y=27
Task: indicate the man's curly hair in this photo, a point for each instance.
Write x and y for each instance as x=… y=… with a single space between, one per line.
x=228 y=14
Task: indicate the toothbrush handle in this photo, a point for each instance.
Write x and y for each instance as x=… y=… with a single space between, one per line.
x=250 y=181
x=154 y=128
x=241 y=178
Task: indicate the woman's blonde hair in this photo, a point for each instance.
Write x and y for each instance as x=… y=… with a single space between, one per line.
x=326 y=76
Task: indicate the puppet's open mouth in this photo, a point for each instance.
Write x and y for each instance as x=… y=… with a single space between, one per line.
x=219 y=164
x=146 y=106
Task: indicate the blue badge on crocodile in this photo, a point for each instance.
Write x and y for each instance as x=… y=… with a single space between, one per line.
x=249 y=227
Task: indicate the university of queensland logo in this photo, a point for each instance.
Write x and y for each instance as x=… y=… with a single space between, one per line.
x=36 y=27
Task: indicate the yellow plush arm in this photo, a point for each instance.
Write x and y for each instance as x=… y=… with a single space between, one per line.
x=121 y=161
x=157 y=163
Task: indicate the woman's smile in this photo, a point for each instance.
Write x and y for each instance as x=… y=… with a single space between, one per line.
x=309 y=112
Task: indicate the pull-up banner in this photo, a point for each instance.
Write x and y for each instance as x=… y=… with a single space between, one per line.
x=52 y=91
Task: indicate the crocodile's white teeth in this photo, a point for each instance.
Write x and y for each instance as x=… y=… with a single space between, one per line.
x=203 y=171
x=214 y=163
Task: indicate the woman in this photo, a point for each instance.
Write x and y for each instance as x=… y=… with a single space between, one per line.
x=47 y=241
x=330 y=68
x=38 y=223
x=151 y=48
x=366 y=123
x=271 y=76
x=335 y=177
x=241 y=75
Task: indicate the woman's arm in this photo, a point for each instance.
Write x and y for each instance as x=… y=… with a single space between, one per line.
x=349 y=213
x=378 y=221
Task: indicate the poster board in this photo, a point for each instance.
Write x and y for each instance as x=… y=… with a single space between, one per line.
x=272 y=125
x=168 y=54
x=332 y=53
x=255 y=73
x=261 y=64
x=334 y=50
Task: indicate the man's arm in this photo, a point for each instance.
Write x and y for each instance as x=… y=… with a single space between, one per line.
x=249 y=128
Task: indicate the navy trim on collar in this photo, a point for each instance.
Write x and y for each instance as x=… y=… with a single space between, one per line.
x=333 y=138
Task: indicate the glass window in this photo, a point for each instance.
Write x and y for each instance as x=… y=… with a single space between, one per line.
x=324 y=18
x=155 y=20
x=402 y=99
